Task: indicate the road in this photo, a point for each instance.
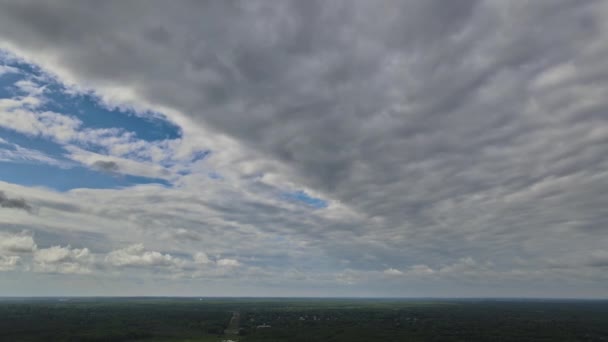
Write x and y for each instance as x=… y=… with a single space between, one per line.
x=233 y=326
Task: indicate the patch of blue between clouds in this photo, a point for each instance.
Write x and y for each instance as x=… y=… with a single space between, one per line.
x=33 y=142
x=201 y=155
x=7 y=81
x=86 y=107
x=93 y=115
x=301 y=196
x=7 y=91
x=67 y=179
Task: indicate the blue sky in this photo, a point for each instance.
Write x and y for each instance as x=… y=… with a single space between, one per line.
x=302 y=196
x=185 y=148
x=91 y=114
x=21 y=79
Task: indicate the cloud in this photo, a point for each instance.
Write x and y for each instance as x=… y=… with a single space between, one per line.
x=599 y=258
x=29 y=87
x=462 y=265
x=17 y=153
x=421 y=270
x=4 y=69
x=11 y=244
x=392 y=272
x=8 y=263
x=228 y=263
x=136 y=256
x=119 y=151
x=106 y=166
x=477 y=140
x=55 y=259
x=201 y=258
x=17 y=243
x=18 y=115
x=57 y=254
x=123 y=165
x=69 y=260
x=65 y=260
x=13 y=203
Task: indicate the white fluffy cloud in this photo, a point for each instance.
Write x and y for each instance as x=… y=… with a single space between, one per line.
x=67 y=260
x=201 y=258
x=16 y=243
x=136 y=255
x=18 y=115
x=21 y=250
x=57 y=254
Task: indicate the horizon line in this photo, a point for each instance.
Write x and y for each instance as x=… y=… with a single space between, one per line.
x=305 y=297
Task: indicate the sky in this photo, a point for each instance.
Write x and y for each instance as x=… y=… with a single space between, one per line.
x=304 y=148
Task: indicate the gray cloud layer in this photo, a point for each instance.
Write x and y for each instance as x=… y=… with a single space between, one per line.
x=454 y=128
x=15 y=203
x=106 y=166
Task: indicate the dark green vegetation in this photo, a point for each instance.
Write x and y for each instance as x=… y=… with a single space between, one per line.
x=192 y=319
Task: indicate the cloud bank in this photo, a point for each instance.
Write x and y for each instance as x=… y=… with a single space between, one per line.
x=13 y=203
x=370 y=148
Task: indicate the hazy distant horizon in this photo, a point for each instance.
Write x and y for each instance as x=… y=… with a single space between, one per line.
x=195 y=298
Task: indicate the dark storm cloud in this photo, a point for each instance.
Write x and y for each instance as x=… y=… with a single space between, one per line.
x=458 y=127
x=13 y=203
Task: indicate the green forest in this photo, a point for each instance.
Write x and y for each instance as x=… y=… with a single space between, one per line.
x=267 y=319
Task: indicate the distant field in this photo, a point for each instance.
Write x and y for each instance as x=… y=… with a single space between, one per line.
x=272 y=319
